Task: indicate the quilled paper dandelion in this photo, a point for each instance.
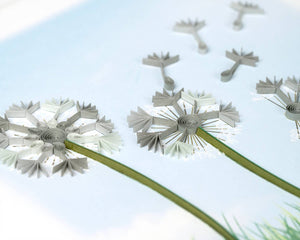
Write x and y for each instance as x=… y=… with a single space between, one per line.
x=173 y=122
x=59 y=136
x=32 y=136
x=284 y=95
x=181 y=122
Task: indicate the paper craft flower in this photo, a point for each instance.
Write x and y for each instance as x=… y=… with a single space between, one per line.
x=173 y=122
x=32 y=136
x=285 y=96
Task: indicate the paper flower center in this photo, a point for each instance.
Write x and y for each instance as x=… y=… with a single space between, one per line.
x=52 y=135
x=189 y=123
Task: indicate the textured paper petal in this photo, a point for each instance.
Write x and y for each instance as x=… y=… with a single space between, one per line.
x=140 y=120
x=179 y=149
x=201 y=99
x=109 y=143
x=229 y=114
x=32 y=167
x=152 y=140
x=268 y=87
x=293 y=84
x=8 y=157
x=58 y=106
x=104 y=126
x=4 y=142
x=165 y=99
x=74 y=164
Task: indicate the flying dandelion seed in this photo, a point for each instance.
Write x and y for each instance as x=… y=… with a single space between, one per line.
x=240 y=58
x=173 y=124
x=162 y=62
x=285 y=96
x=46 y=139
x=242 y=9
x=192 y=27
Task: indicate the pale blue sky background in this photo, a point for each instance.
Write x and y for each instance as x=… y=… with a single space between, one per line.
x=93 y=53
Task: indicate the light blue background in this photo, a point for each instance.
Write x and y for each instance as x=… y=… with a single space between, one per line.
x=93 y=53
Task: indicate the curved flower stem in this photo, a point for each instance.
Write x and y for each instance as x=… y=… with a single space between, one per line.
x=129 y=172
x=246 y=163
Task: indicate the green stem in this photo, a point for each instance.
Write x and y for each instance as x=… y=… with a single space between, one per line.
x=246 y=163
x=129 y=172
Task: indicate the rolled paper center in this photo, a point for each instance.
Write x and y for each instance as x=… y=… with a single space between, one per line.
x=52 y=135
x=293 y=111
x=189 y=123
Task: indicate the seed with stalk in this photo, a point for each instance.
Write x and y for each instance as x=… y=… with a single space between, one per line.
x=192 y=27
x=162 y=62
x=240 y=59
x=242 y=9
x=288 y=99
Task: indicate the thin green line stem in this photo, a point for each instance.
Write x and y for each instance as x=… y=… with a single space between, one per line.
x=129 y=172
x=246 y=163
